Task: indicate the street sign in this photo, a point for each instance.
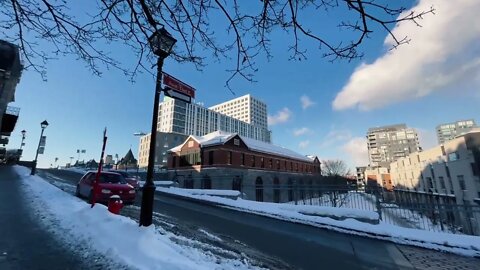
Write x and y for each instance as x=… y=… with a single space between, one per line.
x=178 y=86
x=43 y=140
x=41 y=149
x=169 y=92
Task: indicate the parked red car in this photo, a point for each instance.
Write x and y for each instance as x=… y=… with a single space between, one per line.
x=131 y=179
x=109 y=184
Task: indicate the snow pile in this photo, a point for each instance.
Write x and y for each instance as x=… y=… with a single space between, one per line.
x=344 y=222
x=118 y=238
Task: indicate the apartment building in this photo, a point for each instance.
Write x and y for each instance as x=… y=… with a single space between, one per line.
x=450 y=170
x=449 y=131
x=388 y=143
x=245 y=108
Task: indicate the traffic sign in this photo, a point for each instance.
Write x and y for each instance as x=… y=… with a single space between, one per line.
x=41 y=149
x=178 y=86
x=169 y=92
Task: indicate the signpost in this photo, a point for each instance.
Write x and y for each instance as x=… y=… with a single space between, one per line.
x=177 y=89
x=100 y=165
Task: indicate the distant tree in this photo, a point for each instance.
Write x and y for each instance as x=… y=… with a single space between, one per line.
x=250 y=26
x=335 y=167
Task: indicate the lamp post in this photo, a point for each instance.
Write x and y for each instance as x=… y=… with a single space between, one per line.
x=44 y=125
x=161 y=43
x=23 y=138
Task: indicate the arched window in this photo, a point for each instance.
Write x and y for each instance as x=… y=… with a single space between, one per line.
x=237 y=183
x=276 y=190
x=290 y=190
x=206 y=182
x=188 y=183
x=259 y=189
x=302 y=190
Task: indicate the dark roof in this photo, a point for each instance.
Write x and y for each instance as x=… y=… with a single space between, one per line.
x=128 y=158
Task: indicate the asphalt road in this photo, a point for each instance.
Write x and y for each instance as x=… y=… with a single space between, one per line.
x=271 y=243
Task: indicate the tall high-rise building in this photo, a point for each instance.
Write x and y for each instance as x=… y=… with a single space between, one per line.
x=177 y=119
x=245 y=108
x=388 y=143
x=450 y=131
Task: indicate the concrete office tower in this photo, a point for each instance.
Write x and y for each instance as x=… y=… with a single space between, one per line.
x=388 y=143
x=450 y=131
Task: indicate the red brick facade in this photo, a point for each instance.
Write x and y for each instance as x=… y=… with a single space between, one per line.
x=235 y=154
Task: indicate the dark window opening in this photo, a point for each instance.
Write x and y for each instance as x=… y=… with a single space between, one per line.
x=259 y=189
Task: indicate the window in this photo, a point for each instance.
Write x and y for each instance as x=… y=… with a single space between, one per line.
x=278 y=164
x=242 y=159
x=253 y=160
x=262 y=161
x=190 y=144
x=442 y=182
x=236 y=141
x=174 y=161
x=461 y=182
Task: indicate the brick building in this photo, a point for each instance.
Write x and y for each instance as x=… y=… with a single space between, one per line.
x=223 y=160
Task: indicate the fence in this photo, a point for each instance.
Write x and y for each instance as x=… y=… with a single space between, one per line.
x=427 y=212
x=421 y=211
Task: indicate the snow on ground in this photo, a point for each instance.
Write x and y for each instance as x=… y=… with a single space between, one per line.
x=461 y=244
x=117 y=237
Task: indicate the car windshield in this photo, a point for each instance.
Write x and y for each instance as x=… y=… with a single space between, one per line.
x=111 y=178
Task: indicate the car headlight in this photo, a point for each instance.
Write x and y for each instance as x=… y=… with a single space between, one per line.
x=106 y=191
x=132 y=191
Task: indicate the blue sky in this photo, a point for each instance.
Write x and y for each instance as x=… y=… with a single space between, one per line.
x=385 y=87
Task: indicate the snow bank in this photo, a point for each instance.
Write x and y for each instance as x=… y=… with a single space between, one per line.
x=344 y=222
x=117 y=237
x=158 y=183
x=231 y=194
x=77 y=169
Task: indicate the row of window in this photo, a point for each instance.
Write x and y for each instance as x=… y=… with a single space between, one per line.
x=250 y=161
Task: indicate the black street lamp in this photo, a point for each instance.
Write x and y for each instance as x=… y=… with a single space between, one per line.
x=161 y=43
x=44 y=125
x=23 y=138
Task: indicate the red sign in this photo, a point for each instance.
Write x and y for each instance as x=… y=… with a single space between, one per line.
x=178 y=85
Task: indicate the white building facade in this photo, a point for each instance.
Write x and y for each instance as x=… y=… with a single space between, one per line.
x=245 y=108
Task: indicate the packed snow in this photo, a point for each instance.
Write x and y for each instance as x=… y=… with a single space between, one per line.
x=346 y=221
x=117 y=237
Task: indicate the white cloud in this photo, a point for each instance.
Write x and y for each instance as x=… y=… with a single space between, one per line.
x=442 y=54
x=281 y=116
x=356 y=149
x=301 y=131
x=335 y=136
x=303 y=144
x=306 y=102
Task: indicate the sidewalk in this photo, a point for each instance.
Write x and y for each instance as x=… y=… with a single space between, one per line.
x=24 y=244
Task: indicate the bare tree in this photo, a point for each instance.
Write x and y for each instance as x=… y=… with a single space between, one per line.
x=335 y=167
x=250 y=27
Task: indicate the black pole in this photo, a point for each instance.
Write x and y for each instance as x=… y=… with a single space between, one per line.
x=34 y=165
x=148 y=191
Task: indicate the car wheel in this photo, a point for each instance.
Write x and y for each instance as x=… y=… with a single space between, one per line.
x=77 y=192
